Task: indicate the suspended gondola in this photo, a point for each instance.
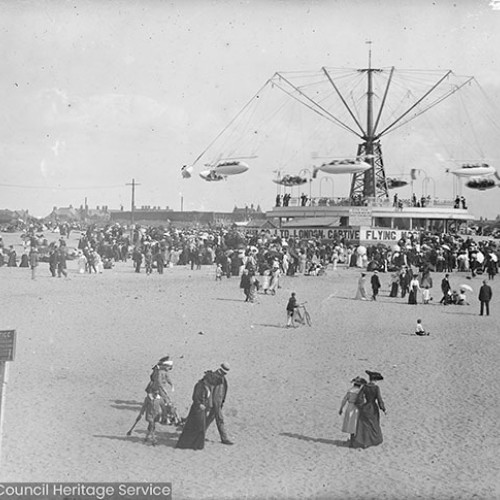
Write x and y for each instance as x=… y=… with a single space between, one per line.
x=481 y=183
x=290 y=180
x=474 y=170
x=394 y=183
x=344 y=166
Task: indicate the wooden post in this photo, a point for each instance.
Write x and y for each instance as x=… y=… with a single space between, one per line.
x=3 y=386
x=7 y=353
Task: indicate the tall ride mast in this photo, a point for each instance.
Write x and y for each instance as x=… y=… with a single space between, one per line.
x=371 y=183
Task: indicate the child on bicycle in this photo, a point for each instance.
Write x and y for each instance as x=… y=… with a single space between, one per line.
x=292 y=311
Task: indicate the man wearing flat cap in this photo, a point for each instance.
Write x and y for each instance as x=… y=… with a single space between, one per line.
x=219 y=394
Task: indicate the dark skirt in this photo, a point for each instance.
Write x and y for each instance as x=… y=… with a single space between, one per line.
x=394 y=290
x=193 y=433
x=368 y=432
x=412 y=297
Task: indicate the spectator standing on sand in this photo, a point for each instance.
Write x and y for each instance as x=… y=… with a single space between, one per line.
x=153 y=413
x=218 y=400
x=245 y=284
x=375 y=282
x=33 y=257
x=404 y=281
x=61 y=262
x=25 y=262
x=275 y=278
x=82 y=262
x=414 y=288
x=394 y=284
x=426 y=294
x=292 y=311
x=159 y=383
x=369 y=400
x=350 y=422
x=148 y=260
x=12 y=261
x=485 y=295
x=137 y=258
x=361 y=292
x=53 y=260
x=445 y=288
x=193 y=432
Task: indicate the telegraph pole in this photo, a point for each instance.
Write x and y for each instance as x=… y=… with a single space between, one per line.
x=132 y=206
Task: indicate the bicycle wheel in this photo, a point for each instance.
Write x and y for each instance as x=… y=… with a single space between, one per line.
x=307 y=317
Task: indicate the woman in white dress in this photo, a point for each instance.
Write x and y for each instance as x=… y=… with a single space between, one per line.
x=350 y=422
x=361 y=292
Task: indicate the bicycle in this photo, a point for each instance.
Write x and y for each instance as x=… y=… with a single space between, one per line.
x=305 y=317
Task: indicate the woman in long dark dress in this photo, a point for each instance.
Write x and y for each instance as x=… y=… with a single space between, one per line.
x=414 y=288
x=368 y=432
x=193 y=433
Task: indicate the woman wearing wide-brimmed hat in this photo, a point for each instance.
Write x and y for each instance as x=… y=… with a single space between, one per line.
x=369 y=400
x=350 y=422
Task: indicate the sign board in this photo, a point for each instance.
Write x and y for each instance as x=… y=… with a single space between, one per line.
x=323 y=233
x=360 y=216
x=353 y=235
x=7 y=345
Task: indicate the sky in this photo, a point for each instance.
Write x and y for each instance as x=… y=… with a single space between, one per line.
x=95 y=94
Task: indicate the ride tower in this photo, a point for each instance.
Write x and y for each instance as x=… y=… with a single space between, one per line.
x=371 y=183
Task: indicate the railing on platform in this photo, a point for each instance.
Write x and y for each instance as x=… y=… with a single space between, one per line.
x=371 y=202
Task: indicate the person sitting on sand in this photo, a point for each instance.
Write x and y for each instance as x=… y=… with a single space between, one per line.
x=462 y=298
x=419 y=330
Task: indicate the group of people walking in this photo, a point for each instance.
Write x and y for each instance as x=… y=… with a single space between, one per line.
x=209 y=396
x=362 y=414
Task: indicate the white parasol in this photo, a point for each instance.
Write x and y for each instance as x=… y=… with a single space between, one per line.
x=446 y=247
x=361 y=250
x=466 y=287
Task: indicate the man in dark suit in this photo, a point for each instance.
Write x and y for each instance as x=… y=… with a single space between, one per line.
x=485 y=294
x=375 y=285
x=219 y=392
x=445 y=288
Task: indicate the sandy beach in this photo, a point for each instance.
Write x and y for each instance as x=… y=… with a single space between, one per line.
x=86 y=345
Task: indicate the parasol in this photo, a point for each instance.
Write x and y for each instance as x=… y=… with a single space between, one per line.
x=466 y=287
x=446 y=247
x=361 y=250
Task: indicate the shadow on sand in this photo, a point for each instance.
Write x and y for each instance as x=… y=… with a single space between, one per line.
x=269 y=325
x=168 y=439
x=120 y=404
x=335 y=442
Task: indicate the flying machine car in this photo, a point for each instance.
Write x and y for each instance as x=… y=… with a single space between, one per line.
x=481 y=183
x=394 y=183
x=474 y=170
x=290 y=180
x=222 y=169
x=344 y=166
x=211 y=175
x=229 y=167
